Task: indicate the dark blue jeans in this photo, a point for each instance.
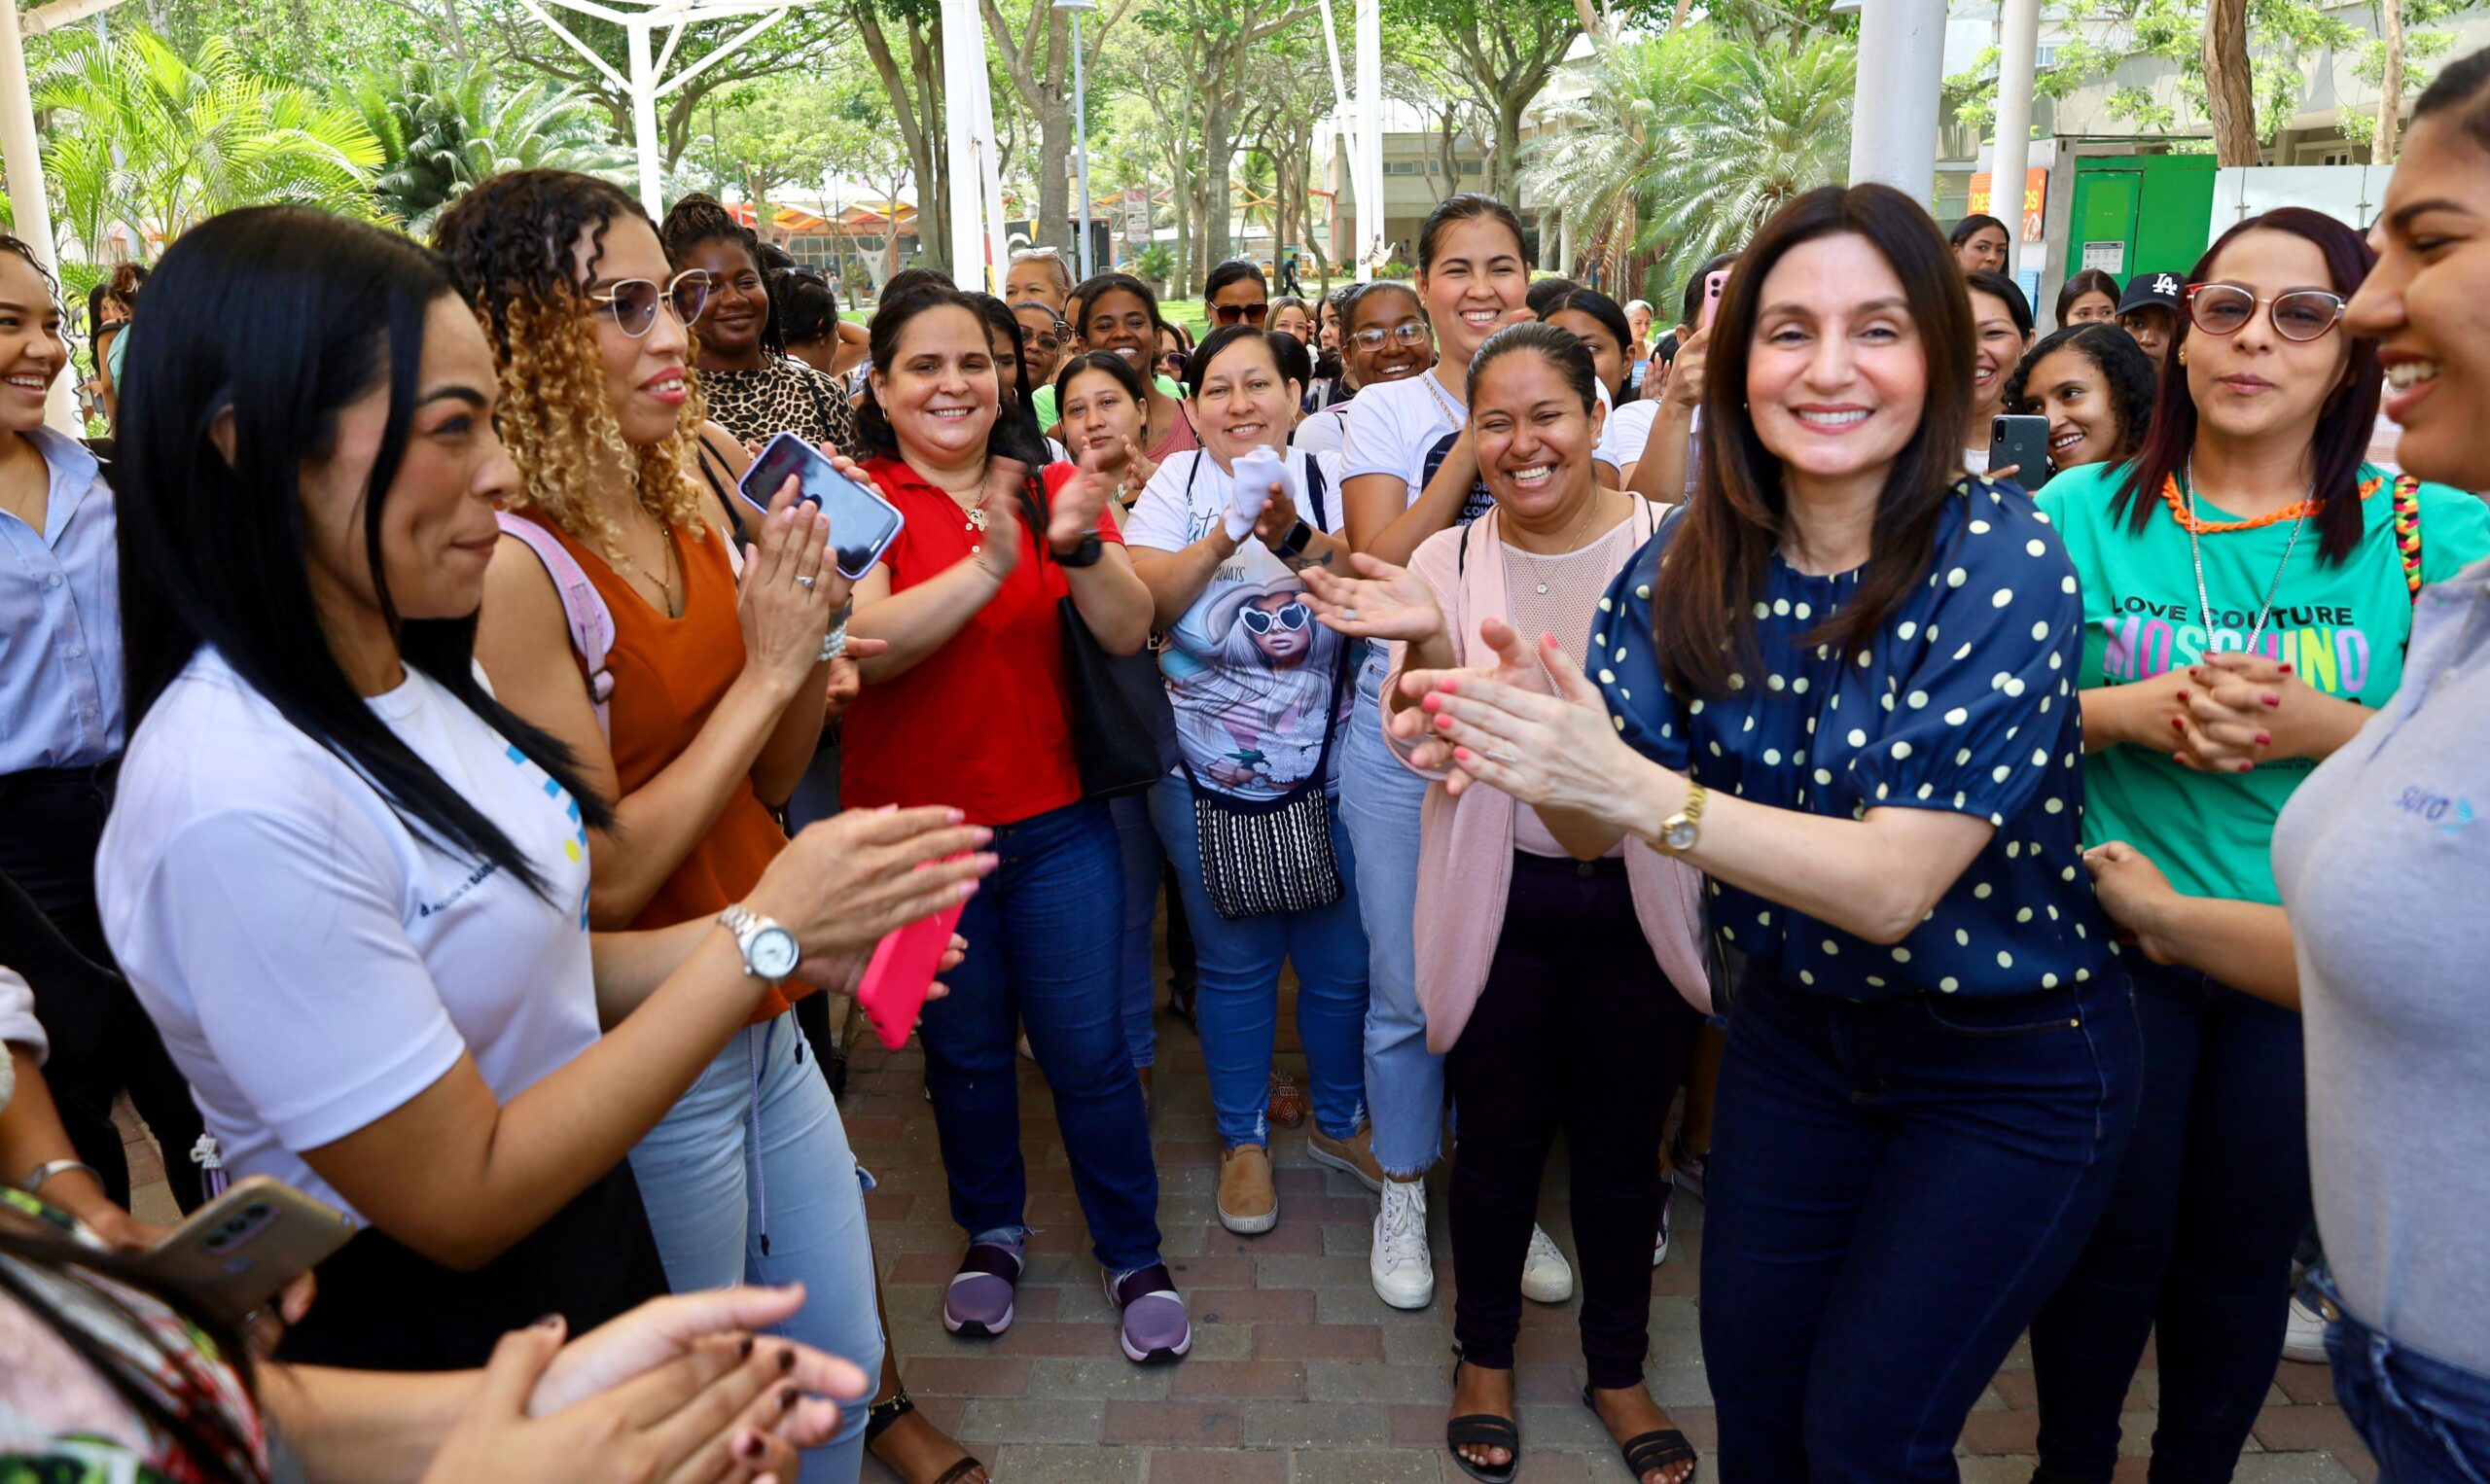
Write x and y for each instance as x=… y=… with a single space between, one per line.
x=2425 y=1422
x=1043 y=938
x=1895 y=1187
x=2196 y=1243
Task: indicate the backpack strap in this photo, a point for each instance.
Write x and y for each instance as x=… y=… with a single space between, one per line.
x=591 y=623
x=2408 y=531
x=1316 y=487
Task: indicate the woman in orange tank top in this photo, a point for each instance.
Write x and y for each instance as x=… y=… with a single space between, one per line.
x=716 y=704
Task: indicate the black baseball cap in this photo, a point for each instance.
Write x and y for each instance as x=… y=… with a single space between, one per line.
x=2153 y=290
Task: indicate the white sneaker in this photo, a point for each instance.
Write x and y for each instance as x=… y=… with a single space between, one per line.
x=1545 y=1276
x=2304 y=1335
x=1403 y=1269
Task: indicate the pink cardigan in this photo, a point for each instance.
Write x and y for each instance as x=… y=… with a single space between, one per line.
x=1466 y=844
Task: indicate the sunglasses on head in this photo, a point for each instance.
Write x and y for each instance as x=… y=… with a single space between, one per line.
x=1239 y=314
x=2223 y=308
x=634 y=303
x=1407 y=333
x=1291 y=614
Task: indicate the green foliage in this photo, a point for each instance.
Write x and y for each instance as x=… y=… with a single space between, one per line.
x=141 y=136
x=1153 y=264
x=2420 y=48
x=443 y=129
x=1694 y=138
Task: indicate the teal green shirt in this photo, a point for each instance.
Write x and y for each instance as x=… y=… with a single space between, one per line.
x=2342 y=626
x=1043 y=399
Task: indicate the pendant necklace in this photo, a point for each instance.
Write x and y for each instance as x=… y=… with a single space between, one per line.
x=2196 y=554
x=1573 y=543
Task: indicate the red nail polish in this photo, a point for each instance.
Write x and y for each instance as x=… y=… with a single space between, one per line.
x=2271 y=700
x=2183 y=695
x=2287 y=669
x=751 y=1447
x=2265 y=738
x=2176 y=725
x=2247 y=767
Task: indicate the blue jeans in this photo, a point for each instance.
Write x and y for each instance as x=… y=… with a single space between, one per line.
x=1043 y=953
x=2425 y=1421
x=2195 y=1246
x=1379 y=802
x=1138 y=839
x=1895 y=1187
x=1239 y=1003
x=749 y=1180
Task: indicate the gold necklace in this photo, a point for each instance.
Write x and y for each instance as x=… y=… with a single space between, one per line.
x=1573 y=543
x=673 y=607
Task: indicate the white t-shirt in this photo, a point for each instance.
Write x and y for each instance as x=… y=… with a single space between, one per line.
x=312 y=964
x=1250 y=701
x=1321 y=432
x=1392 y=426
x=1628 y=432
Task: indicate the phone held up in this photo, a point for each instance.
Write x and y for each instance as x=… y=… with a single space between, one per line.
x=237 y=1251
x=2020 y=441
x=1712 y=283
x=862 y=523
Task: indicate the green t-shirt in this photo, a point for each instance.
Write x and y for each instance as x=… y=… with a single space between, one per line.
x=2342 y=626
x=1042 y=399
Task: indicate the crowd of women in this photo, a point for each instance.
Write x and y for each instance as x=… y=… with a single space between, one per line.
x=432 y=783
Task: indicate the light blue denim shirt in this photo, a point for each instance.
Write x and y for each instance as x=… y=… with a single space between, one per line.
x=61 y=702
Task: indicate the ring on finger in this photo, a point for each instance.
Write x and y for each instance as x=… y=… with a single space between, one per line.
x=806 y=582
x=1348 y=614
x=1499 y=754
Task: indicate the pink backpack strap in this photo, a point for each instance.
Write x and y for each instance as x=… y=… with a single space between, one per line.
x=591 y=623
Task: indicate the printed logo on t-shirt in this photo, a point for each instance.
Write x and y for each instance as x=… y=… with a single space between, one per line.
x=1479 y=501
x=2448 y=816
x=2324 y=644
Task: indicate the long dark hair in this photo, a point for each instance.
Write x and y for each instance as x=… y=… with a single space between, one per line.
x=2463 y=84
x=1114 y=366
x=1612 y=318
x=1720 y=558
x=200 y=1433
x=1560 y=348
x=2087 y=281
x=2344 y=420
x=2124 y=365
x=1226 y=338
x=1000 y=320
x=213 y=551
x=1972 y=226
x=873 y=431
x=803 y=305
x=1468 y=206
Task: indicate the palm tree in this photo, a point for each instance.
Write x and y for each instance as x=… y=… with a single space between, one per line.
x=1688 y=143
x=144 y=137
x=440 y=130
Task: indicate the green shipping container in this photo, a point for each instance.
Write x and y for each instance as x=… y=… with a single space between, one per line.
x=2140 y=213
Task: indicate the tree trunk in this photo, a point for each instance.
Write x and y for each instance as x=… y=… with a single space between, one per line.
x=919 y=117
x=2230 y=93
x=2390 y=92
x=1507 y=166
x=1218 y=151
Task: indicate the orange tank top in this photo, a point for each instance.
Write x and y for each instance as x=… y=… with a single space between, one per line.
x=668 y=675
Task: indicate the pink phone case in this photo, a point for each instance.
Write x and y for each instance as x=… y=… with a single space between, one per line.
x=1712 y=285
x=900 y=972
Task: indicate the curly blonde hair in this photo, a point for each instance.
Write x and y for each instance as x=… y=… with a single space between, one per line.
x=508 y=245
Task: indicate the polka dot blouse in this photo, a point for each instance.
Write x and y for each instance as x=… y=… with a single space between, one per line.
x=1965 y=700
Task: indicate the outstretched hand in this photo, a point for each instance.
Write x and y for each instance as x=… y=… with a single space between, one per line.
x=1518 y=667
x=1535 y=727
x=1381 y=601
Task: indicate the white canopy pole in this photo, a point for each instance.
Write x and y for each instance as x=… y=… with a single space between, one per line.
x=2018 y=46
x=963 y=62
x=1370 y=142
x=644 y=118
x=1901 y=73
x=22 y=154
x=989 y=181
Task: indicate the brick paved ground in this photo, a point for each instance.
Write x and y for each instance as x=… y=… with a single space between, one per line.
x=1300 y=1374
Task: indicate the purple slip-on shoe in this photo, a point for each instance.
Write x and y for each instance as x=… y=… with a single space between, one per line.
x=1154 y=1328
x=978 y=1300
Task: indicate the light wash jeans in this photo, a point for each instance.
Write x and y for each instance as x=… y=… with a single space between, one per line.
x=1379 y=802
x=1138 y=839
x=794 y=1213
x=1239 y=1009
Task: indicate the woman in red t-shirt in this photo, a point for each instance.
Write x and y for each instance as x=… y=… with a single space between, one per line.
x=968 y=702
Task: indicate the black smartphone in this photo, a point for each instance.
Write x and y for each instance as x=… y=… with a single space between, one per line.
x=862 y=523
x=2020 y=441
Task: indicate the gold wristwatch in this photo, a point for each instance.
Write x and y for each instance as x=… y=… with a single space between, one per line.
x=1680 y=830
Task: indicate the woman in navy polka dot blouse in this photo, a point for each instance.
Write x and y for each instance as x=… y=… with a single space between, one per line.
x=1873 y=750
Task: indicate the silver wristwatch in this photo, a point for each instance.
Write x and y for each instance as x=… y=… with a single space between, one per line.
x=769 y=951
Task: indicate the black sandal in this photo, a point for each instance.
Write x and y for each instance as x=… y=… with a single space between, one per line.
x=1482 y=1429
x=1656 y=1449
x=882 y=1415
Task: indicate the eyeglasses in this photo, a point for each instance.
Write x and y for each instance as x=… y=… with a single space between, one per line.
x=1239 y=314
x=1172 y=363
x=634 y=303
x=1043 y=340
x=1407 y=333
x=1289 y=616
x=2302 y=314
x=1020 y=255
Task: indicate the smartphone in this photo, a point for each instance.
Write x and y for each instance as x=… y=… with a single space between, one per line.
x=1712 y=283
x=2020 y=441
x=862 y=523
x=238 y=1252
x=900 y=972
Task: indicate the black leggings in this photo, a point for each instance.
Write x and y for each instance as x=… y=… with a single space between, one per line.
x=1577 y=1030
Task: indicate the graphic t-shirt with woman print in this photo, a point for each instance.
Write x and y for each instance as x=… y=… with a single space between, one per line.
x=1250 y=674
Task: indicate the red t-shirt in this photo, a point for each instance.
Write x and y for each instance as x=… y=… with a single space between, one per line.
x=981 y=724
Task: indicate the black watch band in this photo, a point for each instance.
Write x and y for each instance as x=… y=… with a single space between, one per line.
x=1299 y=536
x=1086 y=554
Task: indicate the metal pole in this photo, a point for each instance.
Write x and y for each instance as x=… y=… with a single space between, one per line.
x=644 y=118
x=1369 y=177
x=1080 y=141
x=963 y=63
x=2018 y=45
x=1901 y=72
x=22 y=154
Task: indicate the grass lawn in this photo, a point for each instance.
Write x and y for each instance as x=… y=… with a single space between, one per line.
x=1192 y=313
